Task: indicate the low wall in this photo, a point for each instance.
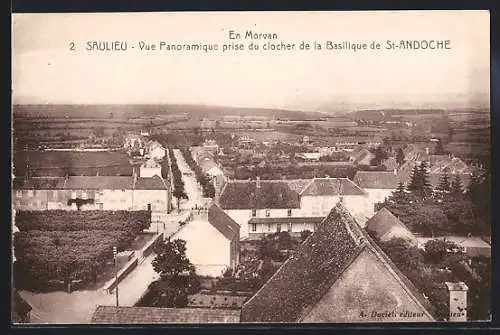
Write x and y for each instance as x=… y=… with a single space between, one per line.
x=131 y=265
x=148 y=249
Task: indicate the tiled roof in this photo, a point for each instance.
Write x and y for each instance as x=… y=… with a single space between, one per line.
x=331 y=186
x=91 y=183
x=153 y=315
x=223 y=223
x=297 y=185
x=378 y=179
x=153 y=183
x=308 y=274
x=303 y=279
x=246 y=194
x=382 y=222
x=98 y=183
x=37 y=183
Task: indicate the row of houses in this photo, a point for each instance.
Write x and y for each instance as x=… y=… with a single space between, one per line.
x=146 y=189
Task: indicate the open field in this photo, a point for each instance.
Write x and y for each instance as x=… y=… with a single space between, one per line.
x=58 y=163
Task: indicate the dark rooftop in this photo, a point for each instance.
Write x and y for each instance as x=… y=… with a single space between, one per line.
x=270 y=194
x=153 y=315
x=331 y=186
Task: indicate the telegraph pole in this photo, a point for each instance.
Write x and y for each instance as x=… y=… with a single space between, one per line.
x=115 y=252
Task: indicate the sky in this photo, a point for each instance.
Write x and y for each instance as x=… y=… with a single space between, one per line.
x=46 y=71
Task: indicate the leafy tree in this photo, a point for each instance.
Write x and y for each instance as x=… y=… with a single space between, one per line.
x=98 y=131
x=179 y=194
x=380 y=156
x=404 y=255
x=427 y=219
x=437 y=250
x=400 y=157
x=171 y=260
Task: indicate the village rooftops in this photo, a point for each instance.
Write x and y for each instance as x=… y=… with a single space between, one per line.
x=223 y=223
x=310 y=272
x=331 y=187
x=153 y=315
x=91 y=183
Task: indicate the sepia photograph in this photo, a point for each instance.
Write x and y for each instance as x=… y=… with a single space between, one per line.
x=251 y=168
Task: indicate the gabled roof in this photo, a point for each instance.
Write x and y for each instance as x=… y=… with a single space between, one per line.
x=382 y=222
x=153 y=315
x=223 y=223
x=98 y=183
x=317 y=264
x=331 y=187
x=152 y=183
x=246 y=195
x=37 y=183
x=378 y=179
x=297 y=185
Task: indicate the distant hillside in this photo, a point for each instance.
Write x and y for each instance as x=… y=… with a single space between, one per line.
x=132 y=111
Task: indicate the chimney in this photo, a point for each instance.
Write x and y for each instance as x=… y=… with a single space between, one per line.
x=258 y=182
x=458 y=301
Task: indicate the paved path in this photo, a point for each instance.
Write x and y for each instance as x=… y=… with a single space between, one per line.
x=77 y=307
x=193 y=189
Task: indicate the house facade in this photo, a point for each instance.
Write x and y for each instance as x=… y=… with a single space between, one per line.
x=212 y=225
x=266 y=206
x=92 y=193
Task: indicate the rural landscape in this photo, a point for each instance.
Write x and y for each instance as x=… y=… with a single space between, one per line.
x=184 y=213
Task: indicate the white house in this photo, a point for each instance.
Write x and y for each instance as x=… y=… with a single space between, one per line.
x=93 y=192
x=156 y=150
x=212 y=241
x=150 y=168
x=288 y=205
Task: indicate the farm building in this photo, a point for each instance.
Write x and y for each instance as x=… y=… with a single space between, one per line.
x=212 y=225
x=294 y=205
x=330 y=279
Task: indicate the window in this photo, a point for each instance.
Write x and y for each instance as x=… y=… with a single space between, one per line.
x=254 y=227
x=268 y=213
x=278 y=227
x=30 y=193
x=268 y=227
x=19 y=194
x=84 y=195
x=73 y=195
x=54 y=195
x=289 y=212
x=254 y=212
x=290 y=227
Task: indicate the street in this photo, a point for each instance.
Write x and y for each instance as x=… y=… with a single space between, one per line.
x=78 y=306
x=191 y=186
